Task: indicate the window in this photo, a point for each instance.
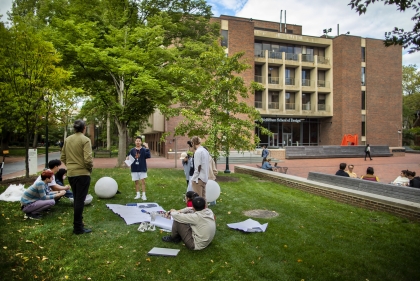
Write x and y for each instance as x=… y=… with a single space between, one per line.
x=306 y=77
x=363 y=100
x=321 y=101
x=225 y=38
x=363 y=54
x=290 y=101
x=273 y=100
x=258 y=99
x=363 y=76
x=290 y=76
x=363 y=125
x=258 y=52
x=306 y=101
x=321 y=78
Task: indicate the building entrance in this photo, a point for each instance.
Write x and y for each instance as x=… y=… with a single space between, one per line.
x=287 y=139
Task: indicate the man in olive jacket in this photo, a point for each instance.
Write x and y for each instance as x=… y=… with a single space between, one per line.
x=77 y=156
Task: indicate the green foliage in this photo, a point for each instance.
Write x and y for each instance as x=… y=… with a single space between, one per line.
x=312 y=238
x=211 y=97
x=398 y=36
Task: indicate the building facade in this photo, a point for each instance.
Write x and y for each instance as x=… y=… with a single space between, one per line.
x=316 y=89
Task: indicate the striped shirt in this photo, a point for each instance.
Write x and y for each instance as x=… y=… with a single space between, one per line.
x=35 y=192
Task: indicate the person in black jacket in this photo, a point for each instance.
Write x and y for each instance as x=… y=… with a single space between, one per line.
x=341 y=172
x=139 y=167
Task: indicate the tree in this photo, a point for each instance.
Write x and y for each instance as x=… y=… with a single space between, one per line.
x=28 y=67
x=211 y=98
x=411 y=80
x=122 y=52
x=398 y=36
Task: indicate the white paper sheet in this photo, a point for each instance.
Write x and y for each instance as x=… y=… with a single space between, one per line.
x=249 y=225
x=163 y=252
x=162 y=223
x=130 y=160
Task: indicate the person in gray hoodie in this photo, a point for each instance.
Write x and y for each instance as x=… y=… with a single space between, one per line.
x=194 y=226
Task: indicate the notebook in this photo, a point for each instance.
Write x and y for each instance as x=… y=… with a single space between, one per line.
x=163 y=252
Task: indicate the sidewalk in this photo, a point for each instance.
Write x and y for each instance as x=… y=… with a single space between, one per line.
x=386 y=168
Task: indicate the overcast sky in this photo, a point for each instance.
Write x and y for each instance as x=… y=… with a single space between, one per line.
x=314 y=16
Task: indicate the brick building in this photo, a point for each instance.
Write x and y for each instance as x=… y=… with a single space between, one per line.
x=316 y=89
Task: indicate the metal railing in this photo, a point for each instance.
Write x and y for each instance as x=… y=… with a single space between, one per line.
x=273 y=80
x=306 y=82
x=323 y=83
x=322 y=107
x=258 y=79
x=291 y=56
x=306 y=106
x=308 y=58
x=323 y=60
x=290 y=106
x=273 y=105
x=259 y=54
x=275 y=55
x=258 y=104
x=290 y=81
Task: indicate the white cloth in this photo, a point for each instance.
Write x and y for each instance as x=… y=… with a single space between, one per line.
x=201 y=158
x=401 y=180
x=13 y=193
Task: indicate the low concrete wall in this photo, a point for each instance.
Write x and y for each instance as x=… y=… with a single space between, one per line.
x=335 y=151
x=370 y=201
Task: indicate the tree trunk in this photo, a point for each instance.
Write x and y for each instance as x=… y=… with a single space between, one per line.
x=35 y=142
x=122 y=146
x=27 y=151
x=108 y=133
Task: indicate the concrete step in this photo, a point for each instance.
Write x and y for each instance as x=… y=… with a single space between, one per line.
x=244 y=160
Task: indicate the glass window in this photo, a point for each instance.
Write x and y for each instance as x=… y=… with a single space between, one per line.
x=363 y=100
x=363 y=129
x=258 y=99
x=290 y=100
x=225 y=38
x=363 y=76
x=258 y=50
x=363 y=54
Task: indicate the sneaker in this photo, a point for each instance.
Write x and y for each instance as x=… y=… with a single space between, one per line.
x=143 y=197
x=137 y=196
x=82 y=231
x=170 y=239
x=32 y=216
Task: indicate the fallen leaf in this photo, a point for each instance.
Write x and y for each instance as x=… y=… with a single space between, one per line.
x=299 y=260
x=168 y=271
x=228 y=213
x=121 y=247
x=211 y=260
x=5 y=247
x=285 y=246
x=44 y=258
x=29 y=241
x=66 y=277
x=148 y=259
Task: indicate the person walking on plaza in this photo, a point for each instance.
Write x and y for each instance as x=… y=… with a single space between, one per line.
x=367 y=152
x=201 y=168
x=139 y=167
x=35 y=199
x=77 y=156
x=264 y=154
x=341 y=172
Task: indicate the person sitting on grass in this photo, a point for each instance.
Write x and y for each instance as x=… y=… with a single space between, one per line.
x=59 y=179
x=370 y=175
x=189 y=196
x=35 y=200
x=54 y=166
x=194 y=226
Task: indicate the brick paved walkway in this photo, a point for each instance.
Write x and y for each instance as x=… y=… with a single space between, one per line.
x=386 y=168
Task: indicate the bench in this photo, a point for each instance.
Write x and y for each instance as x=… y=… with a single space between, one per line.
x=379 y=188
x=335 y=151
x=100 y=153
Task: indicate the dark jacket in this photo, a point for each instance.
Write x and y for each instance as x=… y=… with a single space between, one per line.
x=143 y=155
x=342 y=173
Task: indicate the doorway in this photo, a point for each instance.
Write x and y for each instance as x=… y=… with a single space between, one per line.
x=287 y=139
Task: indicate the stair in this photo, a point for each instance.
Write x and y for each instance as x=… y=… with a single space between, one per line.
x=243 y=158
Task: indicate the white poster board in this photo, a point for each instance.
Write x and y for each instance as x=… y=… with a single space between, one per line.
x=33 y=161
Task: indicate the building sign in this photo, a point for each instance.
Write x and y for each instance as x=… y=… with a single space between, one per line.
x=284 y=120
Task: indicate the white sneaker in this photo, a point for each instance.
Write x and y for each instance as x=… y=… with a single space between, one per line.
x=137 y=196
x=143 y=197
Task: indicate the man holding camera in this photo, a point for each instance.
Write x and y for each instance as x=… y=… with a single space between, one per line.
x=201 y=168
x=139 y=167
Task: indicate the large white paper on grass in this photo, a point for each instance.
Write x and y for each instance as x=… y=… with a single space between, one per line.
x=13 y=193
x=162 y=223
x=133 y=213
x=249 y=226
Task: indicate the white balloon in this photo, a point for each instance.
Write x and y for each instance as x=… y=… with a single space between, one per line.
x=212 y=191
x=106 y=187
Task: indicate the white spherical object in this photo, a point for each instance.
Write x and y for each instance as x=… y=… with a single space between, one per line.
x=106 y=187
x=212 y=191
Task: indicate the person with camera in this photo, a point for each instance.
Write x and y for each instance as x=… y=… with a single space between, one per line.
x=139 y=167
x=201 y=168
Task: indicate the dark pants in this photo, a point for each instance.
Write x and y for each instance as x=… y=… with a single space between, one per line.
x=367 y=153
x=80 y=187
x=183 y=231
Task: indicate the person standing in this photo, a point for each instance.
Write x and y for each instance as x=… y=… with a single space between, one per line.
x=264 y=154
x=139 y=167
x=201 y=168
x=187 y=164
x=341 y=172
x=77 y=156
x=367 y=152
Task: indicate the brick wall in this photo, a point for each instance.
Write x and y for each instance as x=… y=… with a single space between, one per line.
x=383 y=84
x=343 y=197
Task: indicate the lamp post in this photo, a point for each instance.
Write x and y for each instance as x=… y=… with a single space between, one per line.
x=46 y=132
x=97 y=135
x=227 y=171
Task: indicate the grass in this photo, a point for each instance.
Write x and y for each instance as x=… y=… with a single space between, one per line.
x=312 y=238
x=20 y=151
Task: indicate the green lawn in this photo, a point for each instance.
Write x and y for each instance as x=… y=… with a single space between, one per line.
x=312 y=238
